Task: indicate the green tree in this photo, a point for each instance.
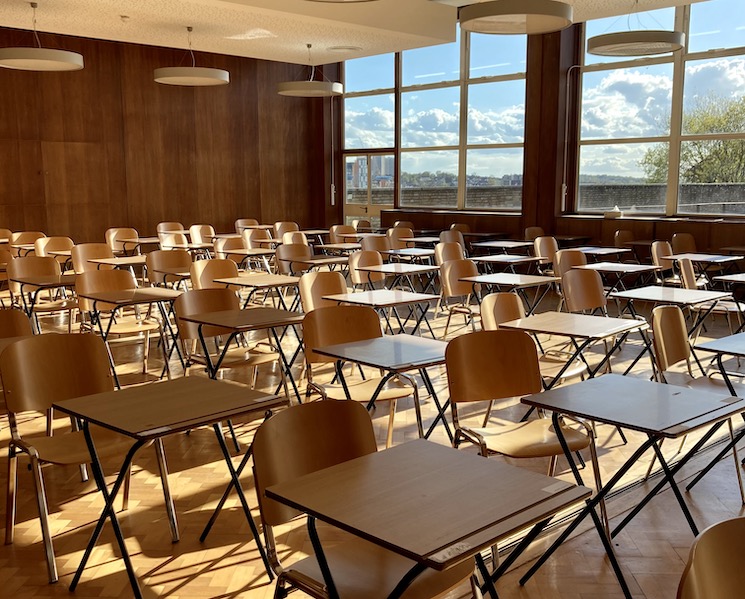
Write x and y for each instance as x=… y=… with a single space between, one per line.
x=706 y=160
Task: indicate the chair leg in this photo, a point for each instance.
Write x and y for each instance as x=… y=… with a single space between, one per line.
x=737 y=461
x=41 y=499
x=10 y=500
x=447 y=324
x=160 y=454
x=145 y=352
x=125 y=490
x=391 y=416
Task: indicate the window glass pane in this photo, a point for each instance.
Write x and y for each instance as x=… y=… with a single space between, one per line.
x=716 y=24
x=429 y=179
x=714 y=96
x=494 y=178
x=369 y=122
x=370 y=73
x=623 y=103
x=430 y=118
x=653 y=19
x=630 y=176
x=712 y=176
x=497 y=54
x=496 y=112
x=432 y=64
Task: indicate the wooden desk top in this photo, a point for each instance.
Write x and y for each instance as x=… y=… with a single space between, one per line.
x=619 y=267
x=361 y=235
x=121 y=260
x=602 y=251
x=341 y=247
x=315 y=231
x=707 y=258
x=47 y=281
x=142 y=240
x=61 y=253
x=733 y=278
x=249 y=319
x=508 y=279
x=410 y=252
x=425 y=239
x=503 y=244
x=580 y=326
x=638 y=404
x=400 y=268
x=175 y=272
x=251 y=251
x=129 y=297
x=193 y=246
x=670 y=295
x=226 y=236
x=320 y=260
x=158 y=409
x=732 y=345
x=390 y=352
x=244 y=227
x=505 y=259
x=260 y=280
x=382 y=298
x=422 y=509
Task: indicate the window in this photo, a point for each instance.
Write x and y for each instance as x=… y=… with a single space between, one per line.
x=666 y=134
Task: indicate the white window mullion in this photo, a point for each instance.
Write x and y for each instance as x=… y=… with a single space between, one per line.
x=682 y=15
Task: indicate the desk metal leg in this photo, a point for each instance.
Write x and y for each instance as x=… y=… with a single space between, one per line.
x=286 y=364
x=440 y=408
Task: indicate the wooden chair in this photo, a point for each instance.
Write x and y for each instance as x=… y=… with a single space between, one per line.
x=660 y=251
x=453 y=235
x=253 y=238
x=245 y=223
x=114 y=236
x=583 y=291
x=314 y=285
x=361 y=278
x=714 y=568
x=453 y=288
x=376 y=244
x=14 y=323
x=622 y=237
x=199 y=301
x=462 y=227
x=683 y=243
x=223 y=246
x=337 y=233
x=201 y=233
x=545 y=248
x=344 y=324
x=163 y=266
x=5 y=234
x=133 y=327
x=169 y=227
x=394 y=236
x=310 y=437
x=295 y=237
x=83 y=252
x=5 y=258
x=728 y=308
x=287 y=253
x=23 y=238
x=406 y=224
x=31 y=266
x=204 y=272
x=361 y=224
x=36 y=372
x=173 y=241
x=532 y=233
x=45 y=245
x=283 y=226
x=564 y=261
x=448 y=250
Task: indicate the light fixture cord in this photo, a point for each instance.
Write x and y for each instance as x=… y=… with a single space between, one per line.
x=191 y=52
x=312 y=67
x=33 y=22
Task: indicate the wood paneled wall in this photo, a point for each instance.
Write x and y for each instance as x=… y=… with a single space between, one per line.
x=107 y=146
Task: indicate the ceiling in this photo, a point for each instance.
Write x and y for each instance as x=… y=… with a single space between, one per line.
x=271 y=29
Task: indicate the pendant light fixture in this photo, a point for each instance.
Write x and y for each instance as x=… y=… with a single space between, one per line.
x=192 y=76
x=310 y=88
x=510 y=17
x=38 y=58
x=642 y=42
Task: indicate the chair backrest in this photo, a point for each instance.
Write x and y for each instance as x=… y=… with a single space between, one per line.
x=95 y=281
x=361 y=224
x=337 y=233
x=376 y=243
x=545 y=248
x=294 y=237
x=283 y=226
x=115 y=234
x=14 y=323
x=169 y=226
x=24 y=237
x=287 y=253
x=532 y=233
x=683 y=243
x=453 y=235
x=223 y=246
x=201 y=233
x=44 y=245
x=303 y=439
x=486 y=365
x=497 y=308
x=42 y=369
x=83 y=252
x=199 y=301
x=660 y=249
x=687 y=274
x=204 y=272
x=670 y=336
x=448 y=250
x=172 y=241
x=583 y=290
x=462 y=227
x=243 y=223
x=450 y=274
x=252 y=237
x=394 y=237
x=714 y=569
x=365 y=258
x=567 y=259
x=406 y=224
x=30 y=266
x=166 y=259
x=338 y=324
x=5 y=257
x=5 y=234
x=314 y=285
x=622 y=237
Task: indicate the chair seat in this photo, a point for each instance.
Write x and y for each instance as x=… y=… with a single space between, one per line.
x=363 y=390
x=721 y=307
x=530 y=439
x=241 y=356
x=709 y=384
x=71 y=448
x=362 y=570
x=55 y=305
x=551 y=364
x=130 y=325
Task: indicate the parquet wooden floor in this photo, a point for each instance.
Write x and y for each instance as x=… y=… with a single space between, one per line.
x=652 y=550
